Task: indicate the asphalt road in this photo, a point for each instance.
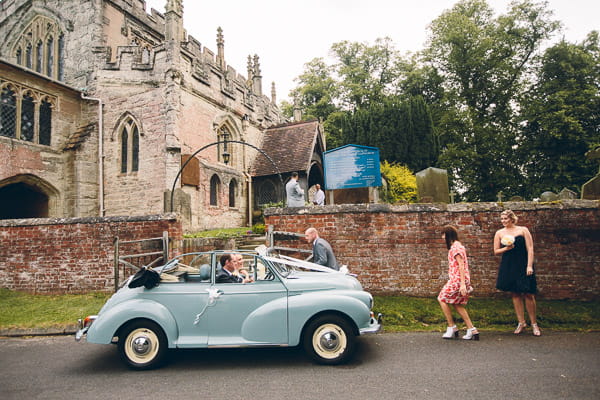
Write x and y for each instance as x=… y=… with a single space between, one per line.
x=387 y=366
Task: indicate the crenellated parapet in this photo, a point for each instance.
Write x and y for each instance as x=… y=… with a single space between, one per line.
x=204 y=72
x=137 y=10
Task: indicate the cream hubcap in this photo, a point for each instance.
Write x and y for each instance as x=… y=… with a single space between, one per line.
x=329 y=341
x=141 y=345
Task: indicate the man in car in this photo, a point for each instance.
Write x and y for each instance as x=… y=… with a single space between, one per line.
x=322 y=251
x=229 y=263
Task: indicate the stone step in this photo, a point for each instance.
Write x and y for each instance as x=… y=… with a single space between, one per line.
x=250 y=242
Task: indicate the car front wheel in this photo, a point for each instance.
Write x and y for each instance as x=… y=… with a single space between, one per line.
x=142 y=345
x=329 y=340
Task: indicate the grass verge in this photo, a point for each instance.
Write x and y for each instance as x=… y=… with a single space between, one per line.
x=21 y=311
x=424 y=314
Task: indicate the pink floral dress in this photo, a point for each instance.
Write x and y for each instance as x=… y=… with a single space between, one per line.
x=450 y=293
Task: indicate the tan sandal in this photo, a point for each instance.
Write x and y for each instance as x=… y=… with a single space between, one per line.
x=520 y=328
x=536 y=330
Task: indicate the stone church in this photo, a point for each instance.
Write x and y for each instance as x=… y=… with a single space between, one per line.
x=102 y=104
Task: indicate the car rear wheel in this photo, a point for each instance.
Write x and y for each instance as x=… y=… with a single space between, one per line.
x=142 y=345
x=329 y=339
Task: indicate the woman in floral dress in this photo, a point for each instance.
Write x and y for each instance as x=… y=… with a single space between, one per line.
x=456 y=291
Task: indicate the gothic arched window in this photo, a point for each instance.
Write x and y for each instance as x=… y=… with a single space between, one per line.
x=39 y=56
x=8 y=112
x=232 y=192
x=215 y=188
x=45 y=123
x=23 y=116
x=61 y=59
x=27 y=118
x=267 y=193
x=29 y=56
x=48 y=55
x=124 y=152
x=130 y=146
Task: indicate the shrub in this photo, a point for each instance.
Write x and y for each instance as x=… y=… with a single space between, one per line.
x=259 y=229
x=401 y=183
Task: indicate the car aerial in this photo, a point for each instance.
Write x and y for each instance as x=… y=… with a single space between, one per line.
x=287 y=302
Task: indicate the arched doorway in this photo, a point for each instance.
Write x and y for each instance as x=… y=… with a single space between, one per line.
x=26 y=196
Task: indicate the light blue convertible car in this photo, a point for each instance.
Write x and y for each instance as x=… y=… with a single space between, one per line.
x=288 y=302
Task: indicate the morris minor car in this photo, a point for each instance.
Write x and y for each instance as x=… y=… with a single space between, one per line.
x=282 y=301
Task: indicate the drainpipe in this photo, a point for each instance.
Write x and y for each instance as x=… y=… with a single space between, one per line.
x=100 y=154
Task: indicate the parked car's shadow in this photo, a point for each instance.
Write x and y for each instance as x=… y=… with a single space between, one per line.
x=280 y=357
x=104 y=359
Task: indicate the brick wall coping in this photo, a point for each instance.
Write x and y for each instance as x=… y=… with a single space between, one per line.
x=86 y=220
x=434 y=207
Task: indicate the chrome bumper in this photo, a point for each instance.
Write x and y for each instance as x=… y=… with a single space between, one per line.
x=374 y=325
x=83 y=326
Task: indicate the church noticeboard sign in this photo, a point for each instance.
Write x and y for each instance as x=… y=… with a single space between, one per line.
x=352 y=166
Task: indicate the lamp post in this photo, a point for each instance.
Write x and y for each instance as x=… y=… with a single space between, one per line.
x=226 y=158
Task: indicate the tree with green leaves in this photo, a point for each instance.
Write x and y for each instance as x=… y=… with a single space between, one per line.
x=316 y=91
x=367 y=72
x=483 y=61
x=562 y=118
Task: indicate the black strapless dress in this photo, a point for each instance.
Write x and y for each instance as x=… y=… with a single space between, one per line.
x=512 y=274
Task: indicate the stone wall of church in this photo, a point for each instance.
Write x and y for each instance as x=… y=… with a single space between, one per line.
x=71 y=175
x=80 y=22
x=179 y=93
x=398 y=250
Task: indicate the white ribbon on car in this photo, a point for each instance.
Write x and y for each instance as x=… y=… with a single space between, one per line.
x=213 y=295
x=305 y=264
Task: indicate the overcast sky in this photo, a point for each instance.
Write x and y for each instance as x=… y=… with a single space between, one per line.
x=287 y=34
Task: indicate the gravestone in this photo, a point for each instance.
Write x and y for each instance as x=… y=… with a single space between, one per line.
x=591 y=189
x=432 y=185
x=567 y=194
x=548 y=196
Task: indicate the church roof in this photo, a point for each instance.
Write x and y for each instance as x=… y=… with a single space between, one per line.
x=290 y=146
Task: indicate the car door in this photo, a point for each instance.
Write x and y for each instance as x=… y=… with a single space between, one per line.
x=248 y=313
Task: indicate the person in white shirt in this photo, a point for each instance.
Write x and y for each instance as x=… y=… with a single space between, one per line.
x=319 y=197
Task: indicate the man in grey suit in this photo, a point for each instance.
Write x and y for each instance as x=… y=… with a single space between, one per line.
x=322 y=251
x=295 y=194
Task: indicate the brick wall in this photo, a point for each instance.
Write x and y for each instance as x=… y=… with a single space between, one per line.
x=71 y=255
x=398 y=250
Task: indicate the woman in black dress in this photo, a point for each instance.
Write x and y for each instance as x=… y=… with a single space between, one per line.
x=516 y=273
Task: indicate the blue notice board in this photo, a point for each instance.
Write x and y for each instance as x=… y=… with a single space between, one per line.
x=352 y=166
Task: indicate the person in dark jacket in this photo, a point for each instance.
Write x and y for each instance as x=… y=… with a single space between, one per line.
x=322 y=251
